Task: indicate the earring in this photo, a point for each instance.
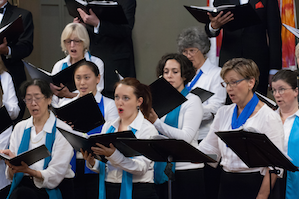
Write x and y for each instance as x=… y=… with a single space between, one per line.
x=65 y=52
x=138 y=108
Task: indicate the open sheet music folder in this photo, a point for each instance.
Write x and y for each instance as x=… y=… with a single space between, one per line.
x=78 y=141
x=255 y=149
x=66 y=76
x=5 y=119
x=12 y=31
x=244 y=15
x=160 y=149
x=84 y=113
x=165 y=97
x=105 y=10
x=29 y=157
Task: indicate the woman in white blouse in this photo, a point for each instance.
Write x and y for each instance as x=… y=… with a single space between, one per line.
x=8 y=99
x=51 y=176
x=285 y=92
x=133 y=102
x=189 y=181
x=87 y=76
x=75 y=44
x=247 y=112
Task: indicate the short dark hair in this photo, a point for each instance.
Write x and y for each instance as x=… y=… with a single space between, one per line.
x=187 y=69
x=42 y=84
x=93 y=67
x=288 y=76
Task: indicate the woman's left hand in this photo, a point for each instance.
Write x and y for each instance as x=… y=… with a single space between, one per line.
x=152 y=116
x=24 y=168
x=102 y=150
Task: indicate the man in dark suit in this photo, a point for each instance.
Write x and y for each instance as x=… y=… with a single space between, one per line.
x=261 y=42
x=12 y=52
x=113 y=44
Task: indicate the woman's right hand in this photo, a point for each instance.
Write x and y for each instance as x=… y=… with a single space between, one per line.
x=220 y=20
x=62 y=91
x=8 y=152
x=88 y=157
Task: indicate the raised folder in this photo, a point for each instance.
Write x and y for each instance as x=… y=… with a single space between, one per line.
x=105 y=10
x=165 y=97
x=5 y=119
x=203 y=94
x=66 y=76
x=86 y=143
x=29 y=157
x=244 y=15
x=84 y=113
x=12 y=31
x=267 y=101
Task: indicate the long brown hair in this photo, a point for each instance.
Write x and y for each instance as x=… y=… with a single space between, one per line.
x=140 y=90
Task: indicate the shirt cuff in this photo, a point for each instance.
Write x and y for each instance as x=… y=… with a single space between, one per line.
x=212 y=30
x=273 y=72
x=9 y=53
x=96 y=29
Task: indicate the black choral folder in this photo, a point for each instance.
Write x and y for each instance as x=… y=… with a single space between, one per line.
x=29 y=157
x=5 y=119
x=105 y=10
x=165 y=97
x=79 y=142
x=159 y=150
x=66 y=76
x=202 y=93
x=12 y=31
x=267 y=100
x=255 y=149
x=244 y=15
x=84 y=113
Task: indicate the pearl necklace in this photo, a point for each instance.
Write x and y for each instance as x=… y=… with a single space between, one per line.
x=39 y=139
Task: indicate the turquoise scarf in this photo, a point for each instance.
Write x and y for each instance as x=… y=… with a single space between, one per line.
x=172 y=119
x=50 y=138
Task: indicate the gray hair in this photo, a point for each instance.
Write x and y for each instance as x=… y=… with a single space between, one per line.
x=194 y=37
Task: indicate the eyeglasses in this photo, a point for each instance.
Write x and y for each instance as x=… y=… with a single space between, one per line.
x=29 y=100
x=279 y=91
x=190 y=52
x=232 y=83
x=69 y=41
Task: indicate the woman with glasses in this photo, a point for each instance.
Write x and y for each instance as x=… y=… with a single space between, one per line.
x=48 y=178
x=250 y=114
x=182 y=123
x=285 y=92
x=75 y=44
x=87 y=77
x=194 y=43
x=8 y=99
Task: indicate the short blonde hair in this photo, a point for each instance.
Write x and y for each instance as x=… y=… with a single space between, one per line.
x=297 y=51
x=77 y=29
x=245 y=67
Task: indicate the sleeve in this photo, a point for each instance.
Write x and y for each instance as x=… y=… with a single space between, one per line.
x=274 y=34
x=24 y=46
x=211 y=106
x=10 y=99
x=100 y=65
x=192 y=117
x=57 y=67
x=120 y=30
x=62 y=154
x=110 y=112
x=4 y=138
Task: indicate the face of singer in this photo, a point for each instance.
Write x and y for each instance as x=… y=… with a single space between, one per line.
x=195 y=56
x=126 y=102
x=86 y=81
x=172 y=73
x=75 y=48
x=289 y=96
x=38 y=107
x=241 y=93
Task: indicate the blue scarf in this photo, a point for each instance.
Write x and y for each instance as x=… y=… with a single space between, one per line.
x=194 y=80
x=172 y=119
x=247 y=111
x=292 y=185
x=127 y=178
x=50 y=138
x=64 y=65
x=93 y=131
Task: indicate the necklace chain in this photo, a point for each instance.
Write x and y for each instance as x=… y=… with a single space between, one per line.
x=39 y=139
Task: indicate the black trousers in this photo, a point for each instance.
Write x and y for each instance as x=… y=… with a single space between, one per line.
x=187 y=184
x=27 y=189
x=140 y=191
x=4 y=192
